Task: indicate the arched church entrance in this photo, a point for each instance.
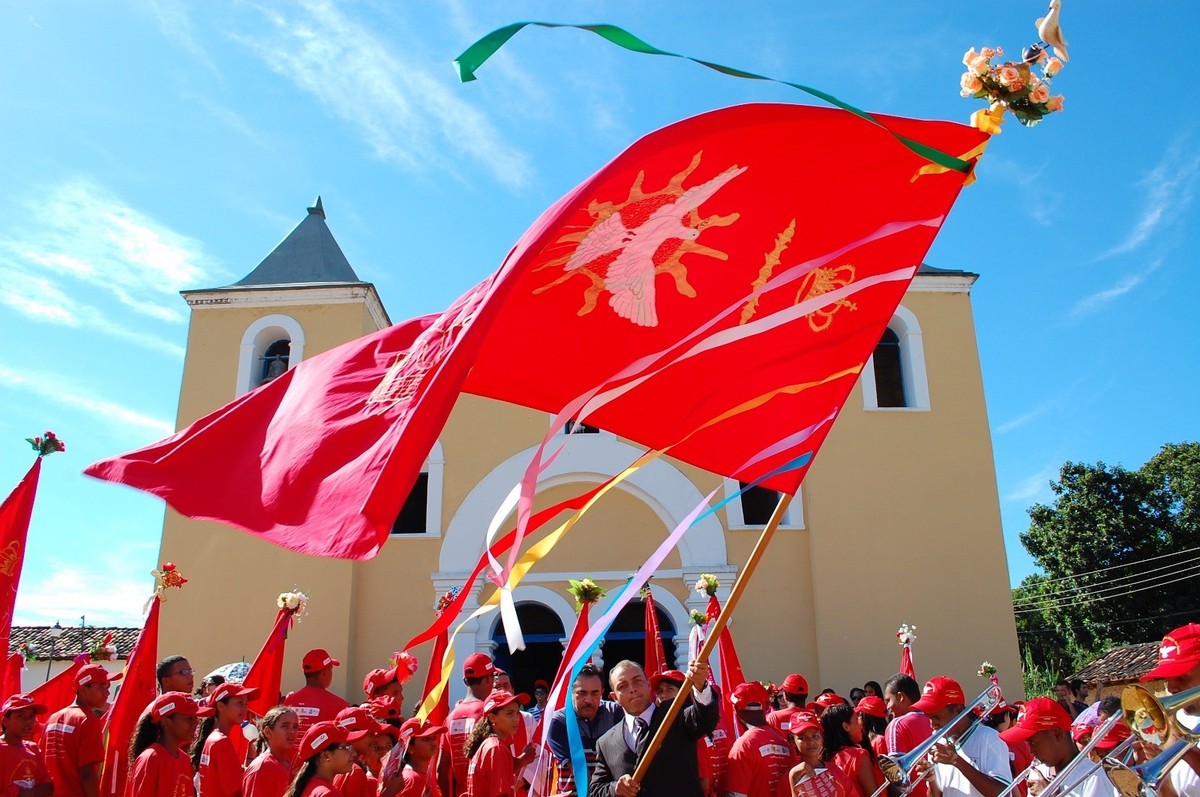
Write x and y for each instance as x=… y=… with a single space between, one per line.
x=543 y=651
x=626 y=638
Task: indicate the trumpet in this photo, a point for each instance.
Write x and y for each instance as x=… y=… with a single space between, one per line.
x=1068 y=777
x=896 y=768
x=1145 y=779
x=1151 y=717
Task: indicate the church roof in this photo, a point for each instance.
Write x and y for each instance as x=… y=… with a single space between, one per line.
x=309 y=254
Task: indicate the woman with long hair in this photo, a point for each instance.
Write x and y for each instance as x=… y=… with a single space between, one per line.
x=213 y=753
x=411 y=775
x=873 y=689
x=493 y=768
x=814 y=775
x=360 y=781
x=843 y=732
x=158 y=765
x=873 y=713
x=269 y=774
x=324 y=754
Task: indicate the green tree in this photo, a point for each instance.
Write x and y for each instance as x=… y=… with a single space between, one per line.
x=1094 y=544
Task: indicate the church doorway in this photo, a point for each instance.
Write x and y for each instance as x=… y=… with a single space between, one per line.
x=626 y=639
x=543 y=651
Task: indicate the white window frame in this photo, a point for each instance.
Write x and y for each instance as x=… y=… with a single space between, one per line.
x=912 y=367
x=435 y=469
x=793 y=518
x=257 y=338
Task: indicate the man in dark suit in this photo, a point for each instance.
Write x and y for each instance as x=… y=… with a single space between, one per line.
x=673 y=772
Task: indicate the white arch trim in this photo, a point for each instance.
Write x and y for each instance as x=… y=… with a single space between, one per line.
x=912 y=365
x=435 y=469
x=255 y=340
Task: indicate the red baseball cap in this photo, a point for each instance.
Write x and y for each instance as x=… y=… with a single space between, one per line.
x=318 y=659
x=1117 y=734
x=478 y=665
x=804 y=721
x=357 y=718
x=828 y=699
x=541 y=684
x=872 y=706
x=1178 y=654
x=795 y=684
x=415 y=729
x=1038 y=714
x=94 y=673
x=498 y=699
x=385 y=708
x=230 y=689
x=938 y=693
x=672 y=676
x=750 y=696
x=19 y=702
x=172 y=703
x=377 y=679
x=323 y=734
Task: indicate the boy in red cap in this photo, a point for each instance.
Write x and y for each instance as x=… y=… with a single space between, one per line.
x=908 y=728
x=382 y=682
x=541 y=693
x=970 y=761
x=795 y=696
x=1046 y=725
x=314 y=702
x=21 y=763
x=761 y=758
x=73 y=741
x=1179 y=665
x=453 y=764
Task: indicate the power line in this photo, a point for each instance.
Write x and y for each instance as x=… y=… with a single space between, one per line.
x=1104 y=594
x=1086 y=602
x=1114 y=567
x=1055 y=594
x=1060 y=629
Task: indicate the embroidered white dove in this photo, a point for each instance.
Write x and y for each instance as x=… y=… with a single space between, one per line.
x=1051 y=33
x=630 y=276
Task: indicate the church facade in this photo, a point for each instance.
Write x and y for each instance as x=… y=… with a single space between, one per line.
x=898 y=520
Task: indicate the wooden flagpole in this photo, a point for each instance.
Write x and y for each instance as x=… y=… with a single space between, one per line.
x=739 y=586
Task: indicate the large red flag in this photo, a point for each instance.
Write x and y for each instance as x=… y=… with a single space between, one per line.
x=716 y=287
x=266 y=671
x=11 y=683
x=656 y=659
x=59 y=692
x=15 y=513
x=138 y=690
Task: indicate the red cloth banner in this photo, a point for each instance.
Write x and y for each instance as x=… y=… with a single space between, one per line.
x=11 y=683
x=749 y=254
x=438 y=715
x=59 y=692
x=906 y=662
x=266 y=671
x=656 y=657
x=138 y=689
x=15 y=513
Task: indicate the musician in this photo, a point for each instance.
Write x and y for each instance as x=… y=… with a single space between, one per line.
x=971 y=760
x=1046 y=725
x=1179 y=665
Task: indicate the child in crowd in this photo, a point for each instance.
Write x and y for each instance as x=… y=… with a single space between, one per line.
x=269 y=774
x=324 y=754
x=158 y=766
x=22 y=768
x=493 y=769
x=213 y=753
x=843 y=732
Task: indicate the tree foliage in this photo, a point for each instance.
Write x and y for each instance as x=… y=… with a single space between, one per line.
x=1093 y=544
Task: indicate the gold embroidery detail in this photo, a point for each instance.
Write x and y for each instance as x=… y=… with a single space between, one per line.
x=770 y=261
x=821 y=281
x=9 y=558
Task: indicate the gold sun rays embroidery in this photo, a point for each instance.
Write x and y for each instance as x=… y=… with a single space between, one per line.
x=630 y=243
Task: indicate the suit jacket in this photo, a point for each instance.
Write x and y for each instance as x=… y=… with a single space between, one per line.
x=674 y=771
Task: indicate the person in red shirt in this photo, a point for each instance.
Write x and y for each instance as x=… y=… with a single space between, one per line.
x=359 y=782
x=73 y=741
x=794 y=691
x=324 y=754
x=23 y=771
x=908 y=728
x=453 y=762
x=812 y=777
x=492 y=771
x=761 y=758
x=411 y=776
x=843 y=733
x=175 y=674
x=314 y=702
x=213 y=753
x=158 y=765
x=269 y=774
x=873 y=714
x=384 y=683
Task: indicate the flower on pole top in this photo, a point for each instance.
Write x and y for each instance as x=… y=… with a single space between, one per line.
x=295 y=602
x=167 y=577
x=585 y=591
x=406 y=665
x=697 y=617
x=989 y=670
x=707 y=584
x=447 y=599
x=46 y=444
x=906 y=635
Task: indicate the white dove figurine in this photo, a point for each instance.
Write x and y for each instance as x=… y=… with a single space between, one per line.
x=1050 y=32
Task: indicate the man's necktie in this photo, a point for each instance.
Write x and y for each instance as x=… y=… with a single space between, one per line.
x=641 y=734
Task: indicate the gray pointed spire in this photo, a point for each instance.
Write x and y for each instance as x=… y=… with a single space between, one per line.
x=309 y=254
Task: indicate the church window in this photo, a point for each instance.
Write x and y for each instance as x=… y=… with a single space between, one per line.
x=414 y=514
x=889 y=371
x=274 y=361
x=894 y=378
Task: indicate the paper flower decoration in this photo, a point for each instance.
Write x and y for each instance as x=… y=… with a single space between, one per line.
x=405 y=664
x=697 y=617
x=47 y=444
x=906 y=635
x=1012 y=85
x=294 y=602
x=707 y=584
x=447 y=599
x=988 y=670
x=167 y=577
x=585 y=591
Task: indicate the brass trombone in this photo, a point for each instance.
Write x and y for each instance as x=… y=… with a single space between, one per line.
x=1151 y=718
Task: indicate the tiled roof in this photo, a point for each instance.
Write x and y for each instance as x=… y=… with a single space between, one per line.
x=72 y=642
x=1125 y=663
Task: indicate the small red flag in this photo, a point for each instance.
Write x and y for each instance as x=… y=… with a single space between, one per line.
x=266 y=671
x=11 y=683
x=656 y=657
x=59 y=691
x=906 y=662
x=15 y=513
x=138 y=690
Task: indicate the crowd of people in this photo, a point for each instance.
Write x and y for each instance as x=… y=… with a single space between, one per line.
x=899 y=738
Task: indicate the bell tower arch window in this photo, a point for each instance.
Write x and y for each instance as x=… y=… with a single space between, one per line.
x=894 y=377
x=270 y=346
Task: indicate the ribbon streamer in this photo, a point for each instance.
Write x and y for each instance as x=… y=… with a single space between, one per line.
x=474 y=56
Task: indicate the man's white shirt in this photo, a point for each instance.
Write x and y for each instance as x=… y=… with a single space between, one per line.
x=984 y=750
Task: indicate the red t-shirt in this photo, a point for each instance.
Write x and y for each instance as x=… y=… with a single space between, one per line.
x=314 y=704
x=850 y=760
x=417 y=784
x=781 y=720
x=718 y=744
x=319 y=787
x=21 y=762
x=220 y=770
x=266 y=776
x=355 y=783
x=903 y=734
x=759 y=762
x=1020 y=756
x=72 y=741
x=160 y=773
x=492 y=769
x=459 y=722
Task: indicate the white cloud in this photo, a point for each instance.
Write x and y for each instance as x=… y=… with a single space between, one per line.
x=70 y=591
x=1169 y=187
x=54 y=388
x=1102 y=298
x=1033 y=486
x=1024 y=418
x=80 y=230
x=176 y=25
x=407 y=115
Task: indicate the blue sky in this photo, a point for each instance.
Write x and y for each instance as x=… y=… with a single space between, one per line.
x=149 y=147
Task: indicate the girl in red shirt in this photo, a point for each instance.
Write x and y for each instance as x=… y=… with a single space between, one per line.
x=213 y=753
x=493 y=769
x=843 y=733
x=22 y=767
x=158 y=766
x=812 y=777
x=324 y=754
x=410 y=776
x=269 y=774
